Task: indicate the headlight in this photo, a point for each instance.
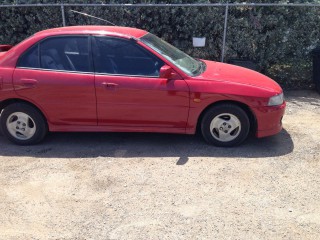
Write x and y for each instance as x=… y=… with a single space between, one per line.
x=276 y=100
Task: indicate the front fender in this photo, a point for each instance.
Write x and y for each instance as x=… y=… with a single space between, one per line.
x=207 y=93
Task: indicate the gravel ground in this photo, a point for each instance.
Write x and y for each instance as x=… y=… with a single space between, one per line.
x=161 y=186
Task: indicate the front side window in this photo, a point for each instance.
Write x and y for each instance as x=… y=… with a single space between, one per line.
x=124 y=57
x=67 y=53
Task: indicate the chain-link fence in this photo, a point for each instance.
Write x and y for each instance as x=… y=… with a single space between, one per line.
x=277 y=37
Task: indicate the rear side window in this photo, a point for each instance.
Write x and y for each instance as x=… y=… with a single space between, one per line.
x=30 y=59
x=67 y=53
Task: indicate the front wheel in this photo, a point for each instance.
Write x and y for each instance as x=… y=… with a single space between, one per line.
x=23 y=124
x=225 y=125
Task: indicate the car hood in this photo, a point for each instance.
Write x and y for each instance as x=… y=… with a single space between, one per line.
x=216 y=71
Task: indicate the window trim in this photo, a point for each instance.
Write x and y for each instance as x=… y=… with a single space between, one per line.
x=54 y=70
x=125 y=75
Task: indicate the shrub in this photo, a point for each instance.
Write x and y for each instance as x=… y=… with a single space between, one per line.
x=278 y=39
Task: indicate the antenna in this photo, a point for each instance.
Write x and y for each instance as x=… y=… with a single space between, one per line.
x=87 y=15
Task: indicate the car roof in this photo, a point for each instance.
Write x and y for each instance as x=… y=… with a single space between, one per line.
x=99 y=30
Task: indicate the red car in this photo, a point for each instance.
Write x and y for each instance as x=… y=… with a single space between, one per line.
x=99 y=78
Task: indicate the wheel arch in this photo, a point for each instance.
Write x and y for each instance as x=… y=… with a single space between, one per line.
x=246 y=108
x=7 y=102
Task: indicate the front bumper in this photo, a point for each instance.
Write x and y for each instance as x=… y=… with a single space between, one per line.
x=269 y=120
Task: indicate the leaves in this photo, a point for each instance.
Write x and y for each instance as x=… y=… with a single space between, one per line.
x=279 y=39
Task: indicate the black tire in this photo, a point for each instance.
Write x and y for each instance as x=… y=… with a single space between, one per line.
x=23 y=124
x=225 y=125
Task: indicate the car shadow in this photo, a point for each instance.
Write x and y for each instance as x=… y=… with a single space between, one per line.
x=130 y=145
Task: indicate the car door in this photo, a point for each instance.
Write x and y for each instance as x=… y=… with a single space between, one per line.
x=56 y=75
x=130 y=92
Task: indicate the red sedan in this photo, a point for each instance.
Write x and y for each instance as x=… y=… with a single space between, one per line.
x=98 y=78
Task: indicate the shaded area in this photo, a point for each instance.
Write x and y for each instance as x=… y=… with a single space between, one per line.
x=130 y=145
x=301 y=97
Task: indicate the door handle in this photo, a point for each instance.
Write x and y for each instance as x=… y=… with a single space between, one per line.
x=28 y=82
x=111 y=86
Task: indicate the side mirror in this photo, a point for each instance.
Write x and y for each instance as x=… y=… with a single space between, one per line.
x=168 y=73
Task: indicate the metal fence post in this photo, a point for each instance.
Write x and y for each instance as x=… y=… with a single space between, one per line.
x=225 y=33
x=63 y=15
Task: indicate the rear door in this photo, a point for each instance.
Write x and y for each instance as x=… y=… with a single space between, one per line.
x=56 y=75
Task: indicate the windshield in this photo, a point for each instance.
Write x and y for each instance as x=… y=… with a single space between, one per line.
x=183 y=61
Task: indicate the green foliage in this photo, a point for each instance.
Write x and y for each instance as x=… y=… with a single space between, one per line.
x=279 y=39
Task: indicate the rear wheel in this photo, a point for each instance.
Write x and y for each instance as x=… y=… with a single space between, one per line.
x=23 y=124
x=225 y=125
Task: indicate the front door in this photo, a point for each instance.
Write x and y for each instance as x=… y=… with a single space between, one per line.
x=129 y=90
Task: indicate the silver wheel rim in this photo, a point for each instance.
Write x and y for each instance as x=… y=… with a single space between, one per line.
x=21 y=126
x=225 y=127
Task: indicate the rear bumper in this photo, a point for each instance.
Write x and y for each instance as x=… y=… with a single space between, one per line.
x=269 y=120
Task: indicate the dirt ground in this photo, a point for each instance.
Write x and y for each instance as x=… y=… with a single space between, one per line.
x=161 y=186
